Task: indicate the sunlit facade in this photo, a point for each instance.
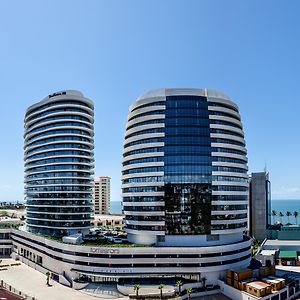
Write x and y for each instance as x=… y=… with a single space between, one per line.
x=184 y=171
x=59 y=143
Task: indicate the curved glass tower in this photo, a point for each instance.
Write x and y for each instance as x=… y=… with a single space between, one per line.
x=184 y=176
x=58 y=155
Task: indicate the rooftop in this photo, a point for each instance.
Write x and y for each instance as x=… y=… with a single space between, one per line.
x=282 y=243
x=258 y=284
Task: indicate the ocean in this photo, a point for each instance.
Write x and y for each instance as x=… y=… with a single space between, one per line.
x=284 y=206
x=277 y=205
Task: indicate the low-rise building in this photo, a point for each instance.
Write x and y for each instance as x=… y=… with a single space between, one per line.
x=115 y=221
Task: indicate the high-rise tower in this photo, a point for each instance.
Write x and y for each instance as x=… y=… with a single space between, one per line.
x=58 y=154
x=102 y=195
x=184 y=176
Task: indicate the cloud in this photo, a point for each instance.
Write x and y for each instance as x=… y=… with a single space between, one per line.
x=286 y=191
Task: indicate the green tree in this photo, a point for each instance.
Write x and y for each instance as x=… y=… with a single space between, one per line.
x=295 y=213
x=136 y=288
x=288 y=214
x=160 y=287
x=274 y=215
x=179 y=284
x=280 y=216
x=189 y=291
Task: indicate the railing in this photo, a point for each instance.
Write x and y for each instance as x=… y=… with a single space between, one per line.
x=13 y=290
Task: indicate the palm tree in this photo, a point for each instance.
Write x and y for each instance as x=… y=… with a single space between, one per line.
x=179 y=284
x=189 y=291
x=136 y=288
x=295 y=213
x=160 y=287
x=274 y=215
x=203 y=279
x=288 y=214
x=280 y=216
x=48 y=277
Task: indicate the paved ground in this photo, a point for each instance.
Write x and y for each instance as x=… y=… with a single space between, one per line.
x=33 y=283
x=104 y=291
x=212 y=297
x=147 y=289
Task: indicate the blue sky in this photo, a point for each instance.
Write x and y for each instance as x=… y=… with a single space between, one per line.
x=113 y=51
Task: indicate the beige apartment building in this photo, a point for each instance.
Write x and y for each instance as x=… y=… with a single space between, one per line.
x=101 y=195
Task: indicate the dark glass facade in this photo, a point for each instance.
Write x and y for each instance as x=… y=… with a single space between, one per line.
x=187 y=166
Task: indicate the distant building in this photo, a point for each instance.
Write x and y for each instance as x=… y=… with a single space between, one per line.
x=259 y=205
x=102 y=195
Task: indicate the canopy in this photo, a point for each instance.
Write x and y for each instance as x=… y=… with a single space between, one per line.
x=287 y=254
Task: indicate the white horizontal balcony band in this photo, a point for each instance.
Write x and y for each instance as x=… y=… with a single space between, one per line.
x=143 y=194
x=147 y=174
x=59 y=213
x=144 y=119
x=58 y=114
x=228 y=231
x=30 y=166
x=27 y=156
x=153 y=203
x=145 y=223
x=61 y=106
x=143 y=127
x=59 y=192
x=228 y=137
x=229 y=146
x=228 y=164
x=235 y=221
x=231 y=174
x=228 y=212
x=228 y=202
x=227 y=127
x=58 y=206
x=69 y=127
x=143 y=137
x=143 y=213
x=30 y=148
x=146 y=232
x=143 y=165
x=59 y=184
x=230 y=183
x=27 y=181
x=60 y=220
x=57 y=121
x=147 y=100
x=143 y=146
x=229 y=155
x=142 y=184
x=61 y=227
x=55 y=135
x=143 y=155
x=224 y=110
x=61 y=170
x=146 y=109
x=226 y=119
x=228 y=193
x=29 y=161
x=222 y=100
x=60 y=100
